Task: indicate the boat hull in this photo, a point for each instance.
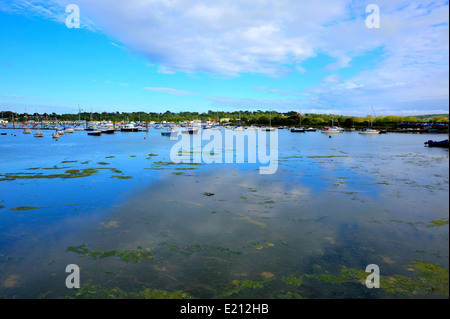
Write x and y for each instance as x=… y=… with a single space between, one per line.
x=134 y=129
x=443 y=143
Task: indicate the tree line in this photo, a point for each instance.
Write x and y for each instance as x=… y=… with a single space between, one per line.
x=259 y=117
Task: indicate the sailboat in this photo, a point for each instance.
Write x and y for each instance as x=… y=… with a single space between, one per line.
x=270 y=128
x=370 y=130
x=38 y=132
x=332 y=129
x=298 y=129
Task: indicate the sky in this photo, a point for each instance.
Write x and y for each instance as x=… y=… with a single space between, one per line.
x=355 y=58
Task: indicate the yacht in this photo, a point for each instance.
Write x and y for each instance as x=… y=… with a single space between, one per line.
x=129 y=127
x=368 y=131
x=332 y=130
x=107 y=128
x=298 y=129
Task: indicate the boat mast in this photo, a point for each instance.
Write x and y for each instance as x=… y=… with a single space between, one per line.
x=270 y=118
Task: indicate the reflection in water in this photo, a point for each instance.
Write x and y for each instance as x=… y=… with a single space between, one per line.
x=224 y=230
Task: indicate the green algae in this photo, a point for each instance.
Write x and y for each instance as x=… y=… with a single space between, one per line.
x=21 y=208
x=110 y=156
x=431 y=278
x=98 y=292
x=293 y=280
x=440 y=222
x=427 y=279
x=208 y=194
x=134 y=256
x=121 y=177
x=241 y=285
x=72 y=173
x=69 y=161
x=103 y=163
x=191 y=249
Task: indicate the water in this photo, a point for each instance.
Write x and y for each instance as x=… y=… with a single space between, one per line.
x=219 y=230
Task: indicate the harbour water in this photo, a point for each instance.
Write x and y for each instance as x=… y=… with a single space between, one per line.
x=138 y=225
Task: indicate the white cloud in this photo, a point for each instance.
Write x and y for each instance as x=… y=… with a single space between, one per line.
x=275 y=38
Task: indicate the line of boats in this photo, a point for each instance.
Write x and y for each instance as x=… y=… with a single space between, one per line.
x=173 y=130
x=170 y=130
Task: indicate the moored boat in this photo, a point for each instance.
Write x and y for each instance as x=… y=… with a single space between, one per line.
x=95 y=133
x=332 y=130
x=171 y=132
x=369 y=131
x=129 y=127
x=190 y=130
x=107 y=128
x=38 y=133
x=432 y=143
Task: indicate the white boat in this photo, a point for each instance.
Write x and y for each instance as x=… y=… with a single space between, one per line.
x=129 y=127
x=107 y=128
x=79 y=128
x=55 y=135
x=369 y=131
x=160 y=126
x=270 y=128
x=26 y=131
x=332 y=130
x=238 y=128
x=252 y=128
x=38 y=133
x=68 y=130
x=298 y=129
x=190 y=130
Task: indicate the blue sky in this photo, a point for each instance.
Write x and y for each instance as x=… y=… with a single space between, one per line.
x=194 y=55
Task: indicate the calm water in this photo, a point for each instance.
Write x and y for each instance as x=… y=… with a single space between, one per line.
x=218 y=230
